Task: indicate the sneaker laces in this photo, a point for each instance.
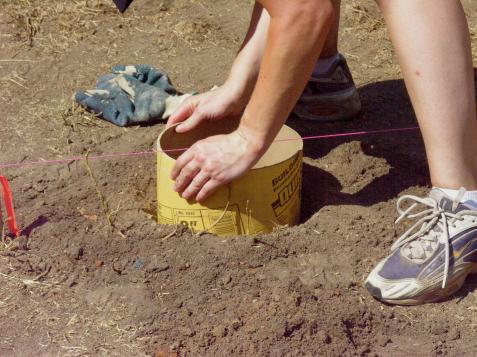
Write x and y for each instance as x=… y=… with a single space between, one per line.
x=425 y=239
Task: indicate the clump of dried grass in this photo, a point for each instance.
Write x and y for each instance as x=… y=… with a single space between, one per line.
x=54 y=26
x=364 y=17
x=365 y=21
x=473 y=36
x=73 y=116
x=104 y=201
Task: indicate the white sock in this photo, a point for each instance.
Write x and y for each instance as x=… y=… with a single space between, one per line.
x=324 y=64
x=469 y=197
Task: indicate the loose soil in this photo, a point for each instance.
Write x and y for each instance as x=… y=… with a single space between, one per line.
x=73 y=285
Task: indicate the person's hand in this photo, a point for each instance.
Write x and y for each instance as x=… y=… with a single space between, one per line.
x=213 y=162
x=217 y=104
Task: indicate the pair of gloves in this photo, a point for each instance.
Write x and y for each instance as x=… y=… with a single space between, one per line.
x=132 y=95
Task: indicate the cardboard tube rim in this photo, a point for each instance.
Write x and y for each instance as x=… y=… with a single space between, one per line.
x=287 y=137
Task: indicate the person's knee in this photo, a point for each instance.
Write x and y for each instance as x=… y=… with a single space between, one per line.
x=322 y=9
x=327 y=11
x=382 y=4
x=314 y=14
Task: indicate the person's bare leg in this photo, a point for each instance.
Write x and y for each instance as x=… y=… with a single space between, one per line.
x=331 y=45
x=331 y=94
x=432 y=42
x=432 y=259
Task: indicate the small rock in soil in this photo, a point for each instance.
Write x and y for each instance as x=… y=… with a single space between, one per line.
x=188 y=332
x=226 y=279
x=75 y=252
x=236 y=324
x=185 y=313
x=383 y=340
x=22 y=243
x=364 y=351
x=164 y=352
x=174 y=347
x=206 y=339
x=42 y=266
x=219 y=331
x=72 y=280
x=121 y=265
x=178 y=304
x=324 y=337
x=438 y=329
x=156 y=264
x=138 y=264
x=454 y=334
x=291 y=326
x=250 y=328
x=185 y=266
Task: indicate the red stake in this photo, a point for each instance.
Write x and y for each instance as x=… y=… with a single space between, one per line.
x=8 y=199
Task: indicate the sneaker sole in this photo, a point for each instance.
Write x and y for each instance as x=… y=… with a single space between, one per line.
x=430 y=294
x=339 y=106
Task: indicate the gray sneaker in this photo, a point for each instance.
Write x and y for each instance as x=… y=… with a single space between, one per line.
x=432 y=259
x=330 y=97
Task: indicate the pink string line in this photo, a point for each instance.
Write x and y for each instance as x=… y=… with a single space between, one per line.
x=153 y=152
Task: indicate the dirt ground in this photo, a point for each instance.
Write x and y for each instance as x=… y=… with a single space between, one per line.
x=73 y=286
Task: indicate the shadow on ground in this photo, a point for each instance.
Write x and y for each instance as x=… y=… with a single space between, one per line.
x=385 y=105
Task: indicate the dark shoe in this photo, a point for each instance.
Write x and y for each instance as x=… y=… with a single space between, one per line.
x=330 y=97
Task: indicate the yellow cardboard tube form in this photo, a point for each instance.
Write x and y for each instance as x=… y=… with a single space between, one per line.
x=268 y=196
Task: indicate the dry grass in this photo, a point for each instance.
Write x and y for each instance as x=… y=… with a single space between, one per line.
x=73 y=116
x=364 y=21
x=57 y=25
x=104 y=202
x=3 y=224
x=54 y=26
x=52 y=326
x=473 y=36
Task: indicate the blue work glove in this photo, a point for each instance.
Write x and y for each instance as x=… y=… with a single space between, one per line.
x=148 y=75
x=132 y=95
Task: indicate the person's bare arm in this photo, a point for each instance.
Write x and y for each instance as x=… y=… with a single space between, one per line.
x=295 y=38
x=231 y=98
x=246 y=66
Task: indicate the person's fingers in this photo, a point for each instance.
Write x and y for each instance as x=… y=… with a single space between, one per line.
x=195 y=185
x=181 y=162
x=207 y=190
x=193 y=121
x=184 y=112
x=186 y=175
